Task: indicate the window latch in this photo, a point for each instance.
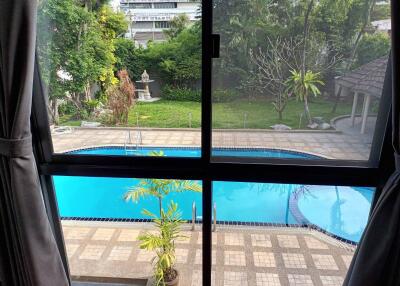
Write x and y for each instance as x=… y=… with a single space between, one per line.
x=216 y=41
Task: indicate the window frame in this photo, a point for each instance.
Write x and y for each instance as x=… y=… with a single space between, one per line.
x=373 y=172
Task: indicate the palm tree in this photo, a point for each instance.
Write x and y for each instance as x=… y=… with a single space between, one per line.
x=304 y=85
x=160 y=188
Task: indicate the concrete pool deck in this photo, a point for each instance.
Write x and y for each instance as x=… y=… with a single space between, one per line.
x=330 y=144
x=242 y=255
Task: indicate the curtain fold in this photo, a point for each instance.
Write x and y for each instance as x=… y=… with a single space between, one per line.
x=376 y=261
x=29 y=254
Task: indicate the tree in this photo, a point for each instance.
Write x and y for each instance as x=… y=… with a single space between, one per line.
x=159 y=189
x=272 y=73
x=177 y=25
x=177 y=61
x=304 y=85
x=75 y=47
x=372 y=47
x=129 y=57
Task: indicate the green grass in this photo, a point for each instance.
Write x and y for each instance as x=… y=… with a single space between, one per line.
x=260 y=114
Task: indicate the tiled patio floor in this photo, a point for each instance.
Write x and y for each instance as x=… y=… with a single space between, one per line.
x=329 y=144
x=242 y=256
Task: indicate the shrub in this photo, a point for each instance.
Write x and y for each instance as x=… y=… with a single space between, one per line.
x=372 y=47
x=121 y=98
x=225 y=95
x=90 y=106
x=181 y=93
x=67 y=108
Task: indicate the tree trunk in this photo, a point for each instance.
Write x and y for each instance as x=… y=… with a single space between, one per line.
x=160 y=205
x=280 y=115
x=307 y=110
x=56 y=117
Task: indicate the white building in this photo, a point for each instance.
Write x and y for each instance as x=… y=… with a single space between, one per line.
x=149 y=18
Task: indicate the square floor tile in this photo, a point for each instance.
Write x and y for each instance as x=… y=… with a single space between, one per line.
x=325 y=262
x=314 y=243
x=71 y=249
x=186 y=237
x=120 y=253
x=199 y=257
x=197 y=278
x=267 y=279
x=92 y=252
x=300 y=280
x=347 y=260
x=128 y=235
x=77 y=233
x=235 y=258
x=235 y=279
x=235 y=239
x=145 y=256
x=332 y=280
x=214 y=238
x=261 y=240
x=288 y=241
x=264 y=259
x=294 y=260
x=103 y=234
x=181 y=255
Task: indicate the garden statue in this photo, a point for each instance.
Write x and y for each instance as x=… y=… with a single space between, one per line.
x=144 y=94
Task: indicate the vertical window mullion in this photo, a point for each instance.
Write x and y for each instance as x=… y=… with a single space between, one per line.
x=207 y=217
x=206 y=113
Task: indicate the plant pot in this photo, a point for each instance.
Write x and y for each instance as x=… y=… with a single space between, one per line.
x=174 y=282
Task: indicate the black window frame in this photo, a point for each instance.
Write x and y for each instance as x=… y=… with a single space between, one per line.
x=372 y=173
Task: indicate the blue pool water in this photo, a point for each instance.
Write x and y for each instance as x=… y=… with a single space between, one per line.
x=196 y=152
x=235 y=201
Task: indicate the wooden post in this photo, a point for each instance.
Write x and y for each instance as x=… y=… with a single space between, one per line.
x=354 y=108
x=367 y=99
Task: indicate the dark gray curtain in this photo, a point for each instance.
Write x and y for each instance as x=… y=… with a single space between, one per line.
x=28 y=252
x=377 y=258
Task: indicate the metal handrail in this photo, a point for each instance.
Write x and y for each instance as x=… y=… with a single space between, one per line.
x=215 y=217
x=193 y=216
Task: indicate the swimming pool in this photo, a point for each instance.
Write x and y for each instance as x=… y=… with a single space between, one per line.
x=193 y=152
x=89 y=197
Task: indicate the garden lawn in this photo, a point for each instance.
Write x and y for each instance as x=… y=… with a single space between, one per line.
x=256 y=114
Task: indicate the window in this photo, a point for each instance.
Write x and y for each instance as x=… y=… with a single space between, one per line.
x=84 y=75
x=165 y=5
x=143 y=25
x=162 y=24
x=140 y=5
x=258 y=96
x=306 y=192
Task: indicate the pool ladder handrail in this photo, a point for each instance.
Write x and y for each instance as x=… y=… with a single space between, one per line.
x=128 y=141
x=194 y=216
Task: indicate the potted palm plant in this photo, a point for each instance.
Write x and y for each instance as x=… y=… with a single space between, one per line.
x=163 y=244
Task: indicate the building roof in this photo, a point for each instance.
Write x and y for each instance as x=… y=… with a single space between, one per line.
x=382 y=25
x=367 y=78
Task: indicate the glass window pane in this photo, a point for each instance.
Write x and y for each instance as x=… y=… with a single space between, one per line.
x=104 y=225
x=280 y=234
x=126 y=80
x=303 y=76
